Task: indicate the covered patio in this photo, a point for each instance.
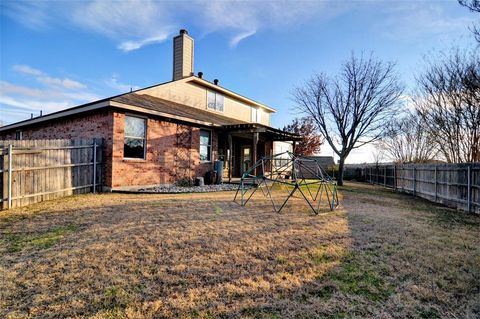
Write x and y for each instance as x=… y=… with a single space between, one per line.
x=241 y=145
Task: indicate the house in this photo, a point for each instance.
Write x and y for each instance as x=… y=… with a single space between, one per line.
x=166 y=132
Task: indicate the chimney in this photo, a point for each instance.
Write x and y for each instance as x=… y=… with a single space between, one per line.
x=182 y=55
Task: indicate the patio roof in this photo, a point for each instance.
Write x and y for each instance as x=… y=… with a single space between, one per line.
x=273 y=133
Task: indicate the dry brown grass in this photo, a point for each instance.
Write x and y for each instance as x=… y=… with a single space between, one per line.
x=380 y=254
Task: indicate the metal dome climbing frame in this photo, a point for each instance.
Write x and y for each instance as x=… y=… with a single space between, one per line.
x=291 y=174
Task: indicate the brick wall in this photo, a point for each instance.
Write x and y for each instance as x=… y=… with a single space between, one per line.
x=94 y=125
x=172 y=149
x=172 y=153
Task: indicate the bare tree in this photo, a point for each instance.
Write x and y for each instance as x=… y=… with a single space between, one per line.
x=378 y=155
x=449 y=104
x=311 y=140
x=407 y=140
x=474 y=6
x=351 y=109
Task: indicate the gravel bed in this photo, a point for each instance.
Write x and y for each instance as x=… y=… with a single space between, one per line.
x=192 y=189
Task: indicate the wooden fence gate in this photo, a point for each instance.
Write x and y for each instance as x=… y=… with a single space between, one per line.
x=32 y=171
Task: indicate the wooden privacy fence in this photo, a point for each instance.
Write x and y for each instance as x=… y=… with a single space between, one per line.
x=455 y=185
x=32 y=171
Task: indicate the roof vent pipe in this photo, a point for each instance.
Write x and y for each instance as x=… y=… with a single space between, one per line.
x=200 y=75
x=215 y=81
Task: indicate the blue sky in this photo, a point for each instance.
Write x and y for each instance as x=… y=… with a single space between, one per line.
x=59 y=54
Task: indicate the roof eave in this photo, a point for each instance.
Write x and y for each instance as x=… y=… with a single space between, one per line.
x=144 y=110
x=264 y=128
x=68 y=112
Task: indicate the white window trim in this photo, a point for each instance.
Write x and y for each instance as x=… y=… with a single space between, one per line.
x=137 y=137
x=254 y=115
x=210 y=146
x=259 y=115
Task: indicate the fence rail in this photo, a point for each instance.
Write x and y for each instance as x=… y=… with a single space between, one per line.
x=455 y=185
x=32 y=171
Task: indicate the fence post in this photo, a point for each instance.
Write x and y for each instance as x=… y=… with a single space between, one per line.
x=403 y=178
x=469 y=188
x=414 y=181
x=10 y=158
x=94 y=165
x=385 y=176
x=436 y=184
x=395 y=177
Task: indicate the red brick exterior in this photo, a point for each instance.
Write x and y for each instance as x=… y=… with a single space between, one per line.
x=172 y=154
x=172 y=149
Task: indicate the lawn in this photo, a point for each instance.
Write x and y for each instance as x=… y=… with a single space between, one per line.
x=380 y=254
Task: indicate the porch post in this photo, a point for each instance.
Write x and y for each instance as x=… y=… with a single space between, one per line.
x=230 y=151
x=294 y=146
x=254 y=150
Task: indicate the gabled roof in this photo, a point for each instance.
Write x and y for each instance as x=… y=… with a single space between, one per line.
x=170 y=109
x=147 y=104
x=198 y=116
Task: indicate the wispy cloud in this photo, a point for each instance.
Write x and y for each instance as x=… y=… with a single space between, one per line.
x=236 y=39
x=133 y=45
x=53 y=94
x=48 y=80
x=65 y=83
x=413 y=20
x=9 y=88
x=27 y=70
x=115 y=84
x=134 y=24
x=32 y=14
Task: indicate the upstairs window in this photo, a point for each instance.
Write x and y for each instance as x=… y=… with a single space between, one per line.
x=215 y=101
x=205 y=145
x=19 y=135
x=134 y=142
x=256 y=115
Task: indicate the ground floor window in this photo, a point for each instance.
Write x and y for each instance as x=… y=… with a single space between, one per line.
x=135 y=133
x=205 y=145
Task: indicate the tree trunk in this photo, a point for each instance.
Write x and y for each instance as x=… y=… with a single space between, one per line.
x=341 y=168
